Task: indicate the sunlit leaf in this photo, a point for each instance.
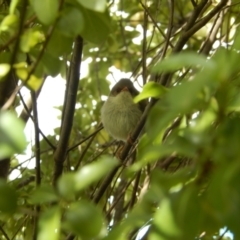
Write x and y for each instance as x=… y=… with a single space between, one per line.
x=29 y=39
x=151 y=89
x=49 y=224
x=34 y=82
x=10 y=22
x=95 y=5
x=4 y=70
x=13 y=5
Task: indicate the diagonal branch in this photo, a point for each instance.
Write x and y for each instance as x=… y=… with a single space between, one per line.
x=191 y=29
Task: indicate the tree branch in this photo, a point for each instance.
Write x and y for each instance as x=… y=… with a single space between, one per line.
x=70 y=97
x=37 y=157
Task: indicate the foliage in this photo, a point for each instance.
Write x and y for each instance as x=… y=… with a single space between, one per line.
x=183 y=181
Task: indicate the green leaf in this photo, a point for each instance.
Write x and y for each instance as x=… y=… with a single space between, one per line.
x=159 y=118
x=183 y=97
x=59 y=44
x=68 y=184
x=95 y=5
x=13 y=5
x=49 y=224
x=93 y=22
x=29 y=39
x=4 y=70
x=103 y=85
x=71 y=22
x=52 y=65
x=165 y=222
x=33 y=82
x=5 y=57
x=12 y=139
x=9 y=23
x=84 y=219
x=151 y=89
x=8 y=199
x=46 y=10
x=94 y=171
x=180 y=60
x=43 y=194
x=152 y=153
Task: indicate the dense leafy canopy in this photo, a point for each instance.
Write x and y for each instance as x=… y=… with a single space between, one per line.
x=183 y=181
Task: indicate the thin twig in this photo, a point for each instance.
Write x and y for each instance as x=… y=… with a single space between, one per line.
x=85 y=139
x=84 y=152
x=4 y=233
x=155 y=24
x=27 y=111
x=134 y=191
x=221 y=237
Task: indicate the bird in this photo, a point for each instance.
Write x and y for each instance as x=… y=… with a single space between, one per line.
x=119 y=114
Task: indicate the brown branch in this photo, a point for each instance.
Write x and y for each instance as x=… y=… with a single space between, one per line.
x=205 y=20
x=191 y=21
x=25 y=182
x=190 y=28
x=117 y=198
x=84 y=152
x=37 y=158
x=70 y=96
x=144 y=47
x=197 y=11
x=105 y=184
x=137 y=131
x=134 y=191
x=155 y=23
x=213 y=33
x=4 y=233
x=170 y=26
x=37 y=139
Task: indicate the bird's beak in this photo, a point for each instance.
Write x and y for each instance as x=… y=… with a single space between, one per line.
x=125 y=89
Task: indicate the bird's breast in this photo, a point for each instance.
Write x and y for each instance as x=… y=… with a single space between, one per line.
x=119 y=118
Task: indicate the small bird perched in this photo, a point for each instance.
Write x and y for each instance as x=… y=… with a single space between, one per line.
x=119 y=113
